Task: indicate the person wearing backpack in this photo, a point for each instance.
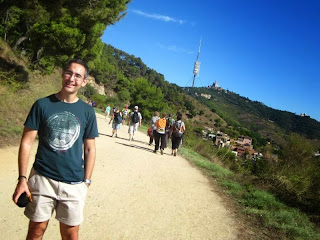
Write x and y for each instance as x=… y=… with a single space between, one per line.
x=153 y=126
x=116 y=121
x=177 y=130
x=160 y=133
x=134 y=122
x=170 y=122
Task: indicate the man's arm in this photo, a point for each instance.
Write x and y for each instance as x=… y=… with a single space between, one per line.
x=89 y=157
x=129 y=118
x=27 y=140
x=112 y=117
x=184 y=127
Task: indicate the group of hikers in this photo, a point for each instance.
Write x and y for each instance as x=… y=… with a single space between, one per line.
x=160 y=131
x=163 y=128
x=91 y=103
x=132 y=118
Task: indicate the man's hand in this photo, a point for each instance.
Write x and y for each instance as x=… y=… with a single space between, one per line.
x=27 y=140
x=22 y=187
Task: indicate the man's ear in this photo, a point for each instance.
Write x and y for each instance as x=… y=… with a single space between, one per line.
x=84 y=83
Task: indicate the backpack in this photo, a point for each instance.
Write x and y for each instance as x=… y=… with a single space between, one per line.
x=177 y=131
x=161 y=124
x=117 y=118
x=135 y=117
x=168 y=125
x=154 y=119
x=171 y=122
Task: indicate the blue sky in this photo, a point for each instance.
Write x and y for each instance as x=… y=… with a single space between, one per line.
x=266 y=50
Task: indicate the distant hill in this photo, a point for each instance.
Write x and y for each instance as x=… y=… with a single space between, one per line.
x=268 y=122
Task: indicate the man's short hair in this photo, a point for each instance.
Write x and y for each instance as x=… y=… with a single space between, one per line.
x=78 y=61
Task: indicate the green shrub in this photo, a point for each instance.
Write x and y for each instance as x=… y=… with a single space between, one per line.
x=88 y=91
x=100 y=100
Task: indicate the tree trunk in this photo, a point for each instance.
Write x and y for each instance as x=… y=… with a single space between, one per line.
x=20 y=40
x=36 y=56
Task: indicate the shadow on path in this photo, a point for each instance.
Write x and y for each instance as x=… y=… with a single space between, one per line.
x=136 y=146
x=137 y=141
x=142 y=148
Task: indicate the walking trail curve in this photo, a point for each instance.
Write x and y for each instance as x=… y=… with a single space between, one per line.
x=135 y=194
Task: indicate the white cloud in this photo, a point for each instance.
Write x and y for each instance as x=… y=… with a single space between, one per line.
x=158 y=17
x=174 y=48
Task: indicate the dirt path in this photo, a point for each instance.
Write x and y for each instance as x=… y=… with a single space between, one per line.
x=135 y=194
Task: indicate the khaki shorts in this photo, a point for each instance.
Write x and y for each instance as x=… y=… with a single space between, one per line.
x=133 y=128
x=48 y=195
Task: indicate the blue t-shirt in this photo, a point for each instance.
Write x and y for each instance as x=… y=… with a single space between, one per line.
x=62 y=127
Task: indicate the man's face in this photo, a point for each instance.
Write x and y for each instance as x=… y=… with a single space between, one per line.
x=73 y=78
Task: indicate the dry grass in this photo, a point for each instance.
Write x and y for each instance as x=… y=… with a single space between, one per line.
x=16 y=105
x=7 y=54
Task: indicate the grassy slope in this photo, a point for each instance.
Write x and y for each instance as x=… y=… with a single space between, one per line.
x=263 y=213
x=15 y=104
x=240 y=111
x=246 y=118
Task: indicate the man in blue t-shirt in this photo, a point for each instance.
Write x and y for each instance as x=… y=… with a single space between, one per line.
x=60 y=177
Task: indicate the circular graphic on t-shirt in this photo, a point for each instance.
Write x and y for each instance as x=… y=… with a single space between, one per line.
x=63 y=130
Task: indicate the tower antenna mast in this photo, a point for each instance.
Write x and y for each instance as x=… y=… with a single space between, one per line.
x=196 y=68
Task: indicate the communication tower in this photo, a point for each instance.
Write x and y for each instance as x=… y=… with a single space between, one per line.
x=196 y=68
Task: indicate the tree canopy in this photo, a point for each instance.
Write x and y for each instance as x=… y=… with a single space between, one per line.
x=50 y=32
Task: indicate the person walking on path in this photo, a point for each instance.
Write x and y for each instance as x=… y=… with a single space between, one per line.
x=153 y=126
x=160 y=134
x=169 y=124
x=116 y=120
x=60 y=177
x=134 y=122
x=107 y=112
x=177 y=130
x=125 y=113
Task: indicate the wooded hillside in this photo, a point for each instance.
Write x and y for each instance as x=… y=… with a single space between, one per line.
x=271 y=124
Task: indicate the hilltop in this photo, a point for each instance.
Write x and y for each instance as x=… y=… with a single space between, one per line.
x=271 y=124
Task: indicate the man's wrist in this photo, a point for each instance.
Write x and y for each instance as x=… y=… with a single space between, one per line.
x=87 y=181
x=22 y=177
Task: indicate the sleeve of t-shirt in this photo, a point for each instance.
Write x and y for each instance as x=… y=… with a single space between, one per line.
x=34 y=117
x=91 y=130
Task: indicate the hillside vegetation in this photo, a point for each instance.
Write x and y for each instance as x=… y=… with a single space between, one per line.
x=273 y=125
x=17 y=94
